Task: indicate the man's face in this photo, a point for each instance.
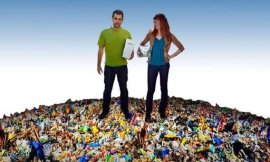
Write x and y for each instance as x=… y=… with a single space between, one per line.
x=117 y=20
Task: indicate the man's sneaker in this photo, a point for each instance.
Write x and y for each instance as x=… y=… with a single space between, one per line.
x=148 y=119
x=103 y=115
x=162 y=116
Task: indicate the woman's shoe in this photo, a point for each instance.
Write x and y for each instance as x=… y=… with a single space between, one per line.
x=103 y=115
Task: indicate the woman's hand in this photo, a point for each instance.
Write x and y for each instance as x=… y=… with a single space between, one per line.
x=167 y=57
x=139 y=52
x=148 y=60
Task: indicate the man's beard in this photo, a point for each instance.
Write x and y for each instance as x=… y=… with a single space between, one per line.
x=116 y=25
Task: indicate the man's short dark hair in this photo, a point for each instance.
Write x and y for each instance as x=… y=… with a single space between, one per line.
x=118 y=12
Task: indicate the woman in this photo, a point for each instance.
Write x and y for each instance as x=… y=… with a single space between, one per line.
x=160 y=41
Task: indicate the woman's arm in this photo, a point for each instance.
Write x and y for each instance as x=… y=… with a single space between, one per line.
x=179 y=45
x=146 y=39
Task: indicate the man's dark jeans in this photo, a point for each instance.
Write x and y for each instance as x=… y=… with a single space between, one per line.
x=152 y=73
x=122 y=77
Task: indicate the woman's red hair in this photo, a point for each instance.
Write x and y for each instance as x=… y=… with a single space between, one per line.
x=164 y=26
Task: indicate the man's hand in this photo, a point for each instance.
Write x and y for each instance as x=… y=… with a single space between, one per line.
x=100 y=54
x=132 y=55
x=99 y=70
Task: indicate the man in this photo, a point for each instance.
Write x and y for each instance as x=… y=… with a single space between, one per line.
x=113 y=40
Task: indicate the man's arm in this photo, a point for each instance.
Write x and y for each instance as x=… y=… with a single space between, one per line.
x=100 y=55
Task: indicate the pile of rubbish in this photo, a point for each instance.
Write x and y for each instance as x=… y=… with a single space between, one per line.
x=192 y=131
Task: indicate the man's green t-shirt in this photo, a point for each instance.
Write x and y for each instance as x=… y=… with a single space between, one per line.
x=114 y=42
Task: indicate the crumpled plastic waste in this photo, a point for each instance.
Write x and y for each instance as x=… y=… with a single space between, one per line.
x=192 y=131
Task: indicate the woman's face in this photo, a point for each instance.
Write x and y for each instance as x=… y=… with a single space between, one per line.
x=157 y=24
